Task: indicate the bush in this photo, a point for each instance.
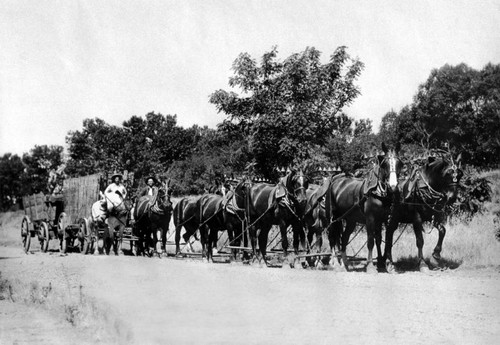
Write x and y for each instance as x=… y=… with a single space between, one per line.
x=474 y=191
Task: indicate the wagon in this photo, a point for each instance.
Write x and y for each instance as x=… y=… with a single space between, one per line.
x=40 y=220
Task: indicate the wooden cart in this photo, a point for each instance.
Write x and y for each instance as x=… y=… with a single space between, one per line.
x=39 y=220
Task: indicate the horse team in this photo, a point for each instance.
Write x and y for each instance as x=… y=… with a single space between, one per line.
x=248 y=210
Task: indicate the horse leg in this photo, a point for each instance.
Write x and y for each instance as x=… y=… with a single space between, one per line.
x=419 y=229
x=389 y=233
x=370 y=232
x=204 y=234
x=309 y=237
x=212 y=243
x=232 y=241
x=253 y=240
x=178 y=240
x=378 y=243
x=436 y=254
x=334 y=235
x=284 y=240
x=297 y=237
x=164 y=231
x=119 y=240
x=263 y=238
x=318 y=246
x=106 y=242
x=344 y=242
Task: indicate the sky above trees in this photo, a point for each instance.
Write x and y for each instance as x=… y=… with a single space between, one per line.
x=64 y=62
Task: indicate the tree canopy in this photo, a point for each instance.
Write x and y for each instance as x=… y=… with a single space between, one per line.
x=456 y=106
x=287 y=108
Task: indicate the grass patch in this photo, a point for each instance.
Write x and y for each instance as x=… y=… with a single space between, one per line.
x=72 y=306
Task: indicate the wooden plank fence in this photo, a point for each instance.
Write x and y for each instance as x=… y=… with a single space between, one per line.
x=79 y=195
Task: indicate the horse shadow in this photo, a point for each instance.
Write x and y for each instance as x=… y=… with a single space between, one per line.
x=411 y=264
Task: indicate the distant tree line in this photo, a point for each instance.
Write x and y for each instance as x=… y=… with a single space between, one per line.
x=279 y=113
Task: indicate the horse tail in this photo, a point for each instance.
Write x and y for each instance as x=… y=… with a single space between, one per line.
x=140 y=208
x=178 y=210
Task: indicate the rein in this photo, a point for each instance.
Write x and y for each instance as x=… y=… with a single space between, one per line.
x=429 y=196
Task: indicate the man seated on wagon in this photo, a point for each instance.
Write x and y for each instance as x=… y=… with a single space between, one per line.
x=114 y=190
x=55 y=196
x=150 y=189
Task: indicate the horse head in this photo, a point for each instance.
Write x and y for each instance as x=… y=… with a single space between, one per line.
x=389 y=167
x=296 y=183
x=163 y=199
x=240 y=192
x=443 y=174
x=117 y=205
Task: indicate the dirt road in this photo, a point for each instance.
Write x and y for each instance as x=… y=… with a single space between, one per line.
x=76 y=299
x=167 y=301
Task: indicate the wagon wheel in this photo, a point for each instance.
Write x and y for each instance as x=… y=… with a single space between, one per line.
x=25 y=233
x=62 y=223
x=44 y=237
x=84 y=236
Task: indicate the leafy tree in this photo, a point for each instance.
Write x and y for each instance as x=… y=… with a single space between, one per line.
x=388 y=128
x=142 y=145
x=38 y=164
x=352 y=142
x=98 y=147
x=459 y=106
x=287 y=108
x=11 y=177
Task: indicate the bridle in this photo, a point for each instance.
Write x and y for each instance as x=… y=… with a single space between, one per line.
x=300 y=178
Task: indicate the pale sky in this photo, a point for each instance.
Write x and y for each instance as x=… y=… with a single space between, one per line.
x=64 y=61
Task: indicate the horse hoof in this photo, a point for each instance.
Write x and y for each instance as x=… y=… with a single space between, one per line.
x=423 y=269
x=389 y=267
x=370 y=269
x=422 y=266
x=434 y=262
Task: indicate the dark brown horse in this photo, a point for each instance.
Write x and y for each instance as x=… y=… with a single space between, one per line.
x=186 y=215
x=211 y=221
x=367 y=201
x=281 y=204
x=424 y=197
x=153 y=213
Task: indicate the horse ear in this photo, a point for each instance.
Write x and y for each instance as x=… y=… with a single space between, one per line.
x=459 y=158
x=384 y=148
x=380 y=159
x=431 y=159
x=397 y=148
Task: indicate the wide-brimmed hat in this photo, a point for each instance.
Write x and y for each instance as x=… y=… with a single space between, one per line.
x=151 y=177
x=116 y=174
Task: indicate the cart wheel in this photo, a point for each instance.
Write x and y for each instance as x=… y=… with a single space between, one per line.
x=25 y=234
x=62 y=223
x=84 y=236
x=44 y=238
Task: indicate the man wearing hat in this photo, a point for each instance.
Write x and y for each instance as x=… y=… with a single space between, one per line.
x=151 y=189
x=115 y=188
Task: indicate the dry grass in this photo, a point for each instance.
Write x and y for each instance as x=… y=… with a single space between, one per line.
x=10 y=228
x=70 y=305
